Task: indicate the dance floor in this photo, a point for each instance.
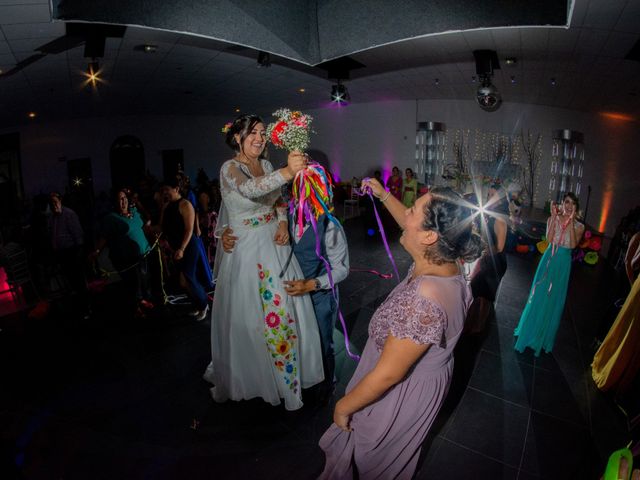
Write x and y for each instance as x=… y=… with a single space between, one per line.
x=116 y=398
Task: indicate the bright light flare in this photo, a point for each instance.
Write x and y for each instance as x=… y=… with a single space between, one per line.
x=92 y=76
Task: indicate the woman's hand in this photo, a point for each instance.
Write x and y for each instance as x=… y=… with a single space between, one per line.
x=296 y=161
x=282 y=234
x=341 y=419
x=554 y=209
x=178 y=254
x=376 y=188
x=228 y=240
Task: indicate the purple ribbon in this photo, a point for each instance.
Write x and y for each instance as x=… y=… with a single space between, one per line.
x=311 y=219
x=367 y=191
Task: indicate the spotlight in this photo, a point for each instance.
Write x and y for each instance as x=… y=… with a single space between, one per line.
x=553 y=82
x=93 y=71
x=32 y=115
x=511 y=60
x=437 y=81
x=513 y=79
x=264 y=59
x=473 y=79
x=149 y=48
x=340 y=94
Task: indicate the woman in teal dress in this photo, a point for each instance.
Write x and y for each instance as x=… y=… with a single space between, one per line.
x=541 y=316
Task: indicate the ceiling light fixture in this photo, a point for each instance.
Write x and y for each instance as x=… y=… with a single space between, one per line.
x=487 y=95
x=301 y=90
x=511 y=60
x=513 y=79
x=553 y=82
x=149 y=48
x=473 y=79
x=237 y=110
x=32 y=115
x=436 y=81
x=264 y=59
x=340 y=94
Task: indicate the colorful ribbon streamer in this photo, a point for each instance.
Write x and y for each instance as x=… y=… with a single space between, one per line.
x=312 y=197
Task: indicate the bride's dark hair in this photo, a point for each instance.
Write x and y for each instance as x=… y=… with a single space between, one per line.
x=448 y=214
x=243 y=126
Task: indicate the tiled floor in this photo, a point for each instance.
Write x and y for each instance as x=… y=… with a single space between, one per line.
x=114 y=398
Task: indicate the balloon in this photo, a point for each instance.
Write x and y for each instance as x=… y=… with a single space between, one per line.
x=542 y=245
x=522 y=248
x=591 y=258
x=595 y=243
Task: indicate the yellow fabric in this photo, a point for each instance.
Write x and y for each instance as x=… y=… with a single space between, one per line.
x=617 y=361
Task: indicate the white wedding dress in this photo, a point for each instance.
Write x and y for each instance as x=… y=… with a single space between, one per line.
x=264 y=343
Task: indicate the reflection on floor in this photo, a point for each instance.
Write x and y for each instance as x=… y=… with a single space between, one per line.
x=118 y=398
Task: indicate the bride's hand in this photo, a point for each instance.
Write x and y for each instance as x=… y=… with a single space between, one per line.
x=296 y=161
x=282 y=234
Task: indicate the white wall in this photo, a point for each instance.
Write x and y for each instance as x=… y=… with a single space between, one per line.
x=356 y=140
x=362 y=137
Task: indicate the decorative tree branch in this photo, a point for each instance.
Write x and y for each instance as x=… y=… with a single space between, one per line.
x=532 y=161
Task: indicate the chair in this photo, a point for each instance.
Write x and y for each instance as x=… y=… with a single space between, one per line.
x=16 y=265
x=351 y=206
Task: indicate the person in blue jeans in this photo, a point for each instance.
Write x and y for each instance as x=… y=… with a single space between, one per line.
x=334 y=248
x=178 y=221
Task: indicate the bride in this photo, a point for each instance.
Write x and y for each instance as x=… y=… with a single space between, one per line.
x=264 y=343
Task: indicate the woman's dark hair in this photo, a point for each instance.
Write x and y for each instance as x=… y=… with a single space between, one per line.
x=573 y=198
x=172 y=181
x=501 y=205
x=448 y=215
x=243 y=126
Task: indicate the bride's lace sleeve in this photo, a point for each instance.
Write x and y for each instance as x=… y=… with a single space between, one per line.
x=423 y=322
x=236 y=179
x=281 y=210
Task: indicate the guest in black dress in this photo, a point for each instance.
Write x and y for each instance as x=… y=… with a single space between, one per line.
x=492 y=266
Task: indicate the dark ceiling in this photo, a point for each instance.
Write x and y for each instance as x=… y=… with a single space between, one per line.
x=581 y=66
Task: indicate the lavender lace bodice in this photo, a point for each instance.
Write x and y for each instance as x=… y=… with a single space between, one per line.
x=407 y=314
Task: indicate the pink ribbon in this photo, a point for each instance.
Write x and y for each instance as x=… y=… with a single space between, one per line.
x=385 y=276
x=554 y=249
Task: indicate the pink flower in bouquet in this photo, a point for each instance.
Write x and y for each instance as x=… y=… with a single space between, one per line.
x=587 y=234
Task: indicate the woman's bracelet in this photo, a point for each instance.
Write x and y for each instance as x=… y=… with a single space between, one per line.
x=385 y=197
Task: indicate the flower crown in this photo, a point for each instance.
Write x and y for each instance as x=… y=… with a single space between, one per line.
x=227 y=127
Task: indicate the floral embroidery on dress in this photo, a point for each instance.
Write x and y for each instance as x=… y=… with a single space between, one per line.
x=407 y=314
x=257 y=221
x=279 y=331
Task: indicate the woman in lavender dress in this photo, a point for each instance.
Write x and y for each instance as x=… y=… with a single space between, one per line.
x=405 y=370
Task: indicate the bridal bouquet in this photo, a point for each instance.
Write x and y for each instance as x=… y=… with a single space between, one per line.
x=291 y=131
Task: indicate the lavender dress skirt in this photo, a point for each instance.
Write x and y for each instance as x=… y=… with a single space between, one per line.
x=387 y=436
